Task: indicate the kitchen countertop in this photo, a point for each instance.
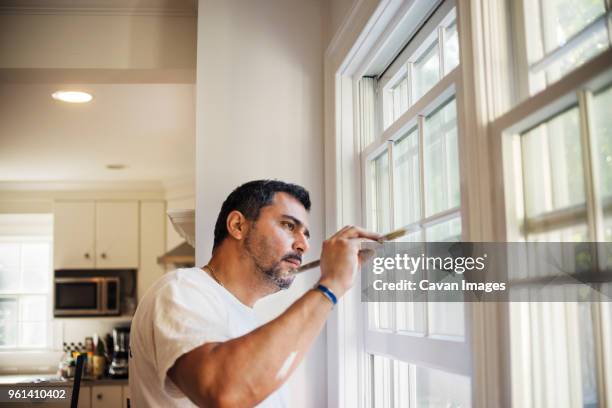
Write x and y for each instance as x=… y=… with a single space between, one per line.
x=53 y=379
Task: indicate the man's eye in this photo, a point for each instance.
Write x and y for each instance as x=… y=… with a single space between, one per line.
x=289 y=225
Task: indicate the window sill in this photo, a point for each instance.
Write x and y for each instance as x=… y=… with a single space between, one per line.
x=17 y=361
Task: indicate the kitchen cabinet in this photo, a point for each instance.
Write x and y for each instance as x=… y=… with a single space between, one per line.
x=117 y=235
x=96 y=234
x=85 y=397
x=106 y=396
x=74 y=240
x=126 y=395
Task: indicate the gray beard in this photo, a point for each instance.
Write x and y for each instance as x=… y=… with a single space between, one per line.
x=271 y=274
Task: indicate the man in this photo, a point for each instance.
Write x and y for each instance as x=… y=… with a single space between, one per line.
x=195 y=339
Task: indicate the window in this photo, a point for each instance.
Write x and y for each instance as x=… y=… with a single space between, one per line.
x=562 y=35
x=421 y=65
x=25 y=280
x=489 y=124
x=564 y=172
x=412 y=180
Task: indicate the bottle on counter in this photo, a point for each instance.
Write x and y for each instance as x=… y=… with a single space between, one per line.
x=89 y=349
x=99 y=359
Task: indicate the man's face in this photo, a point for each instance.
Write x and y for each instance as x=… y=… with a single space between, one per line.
x=278 y=239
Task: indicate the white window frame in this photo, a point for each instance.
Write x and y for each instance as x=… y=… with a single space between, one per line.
x=48 y=295
x=450 y=354
x=572 y=90
x=369 y=25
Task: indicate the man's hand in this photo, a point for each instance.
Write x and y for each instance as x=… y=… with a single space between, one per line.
x=340 y=257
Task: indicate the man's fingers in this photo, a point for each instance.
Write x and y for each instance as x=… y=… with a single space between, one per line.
x=356 y=232
x=342 y=230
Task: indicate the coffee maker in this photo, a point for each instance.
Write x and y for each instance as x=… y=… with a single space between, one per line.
x=121 y=344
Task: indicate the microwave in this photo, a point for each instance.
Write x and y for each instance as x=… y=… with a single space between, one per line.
x=87 y=296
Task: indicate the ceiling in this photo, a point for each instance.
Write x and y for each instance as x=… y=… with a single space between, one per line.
x=143 y=119
x=149 y=128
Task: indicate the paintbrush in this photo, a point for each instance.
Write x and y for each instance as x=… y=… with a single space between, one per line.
x=387 y=237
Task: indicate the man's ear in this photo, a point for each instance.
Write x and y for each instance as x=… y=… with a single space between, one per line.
x=237 y=225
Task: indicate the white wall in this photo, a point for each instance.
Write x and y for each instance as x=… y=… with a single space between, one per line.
x=338 y=12
x=259 y=114
x=96 y=41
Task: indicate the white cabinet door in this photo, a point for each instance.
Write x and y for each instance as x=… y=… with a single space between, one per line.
x=116 y=234
x=84 y=397
x=106 y=396
x=126 y=395
x=74 y=235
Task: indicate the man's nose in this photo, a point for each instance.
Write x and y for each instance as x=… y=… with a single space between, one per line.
x=301 y=243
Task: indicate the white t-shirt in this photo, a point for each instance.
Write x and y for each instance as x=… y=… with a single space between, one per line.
x=181 y=311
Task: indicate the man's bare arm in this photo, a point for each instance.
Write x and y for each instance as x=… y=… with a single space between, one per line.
x=242 y=372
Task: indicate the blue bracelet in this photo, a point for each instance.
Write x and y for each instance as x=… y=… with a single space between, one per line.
x=327 y=292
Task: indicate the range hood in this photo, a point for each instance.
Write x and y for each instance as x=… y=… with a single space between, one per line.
x=184 y=253
x=184 y=223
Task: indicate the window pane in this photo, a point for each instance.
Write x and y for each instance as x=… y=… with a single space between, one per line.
x=446 y=318
x=381 y=382
x=451 y=47
x=441 y=160
x=564 y=18
x=435 y=388
x=406 y=179
x=10 y=254
x=446 y=231
x=552 y=165
x=539 y=337
x=410 y=316
x=401 y=384
x=550 y=25
x=400 y=97
x=380 y=315
x=380 y=195
x=36 y=267
x=8 y=322
x=426 y=71
x=33 y=321
x=595 y=44
x=602 y=139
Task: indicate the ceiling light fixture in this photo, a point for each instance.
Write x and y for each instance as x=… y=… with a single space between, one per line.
x=116 y=166
x=72 y=96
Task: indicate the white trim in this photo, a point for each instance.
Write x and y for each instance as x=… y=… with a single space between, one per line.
x=449 y=356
